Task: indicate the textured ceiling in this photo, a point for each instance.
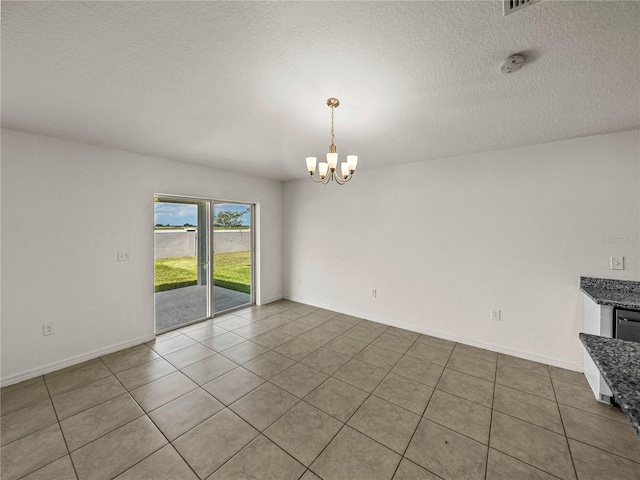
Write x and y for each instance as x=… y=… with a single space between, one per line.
x=242 y=85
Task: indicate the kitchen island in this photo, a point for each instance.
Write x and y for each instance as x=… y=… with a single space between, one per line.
x=619 y=363
x=602 y=296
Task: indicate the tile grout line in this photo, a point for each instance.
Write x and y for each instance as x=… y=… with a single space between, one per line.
x=227 y=406
x=127 y=392
x=524 y=391
x=299 y=400
x=144 y=414
x=490 y=427
x=344 y=424
x=260 y=433
x=373 y=394
x=528 y=423
x=566 y=438
x=435 y=387
x=529 y=464
x=365 y=400
x=58 y=421
x=420 y=421
x=180 y=396
x=370 y=394
x=589 y=411
x=61 y=433
x=605 y=451
x=99 y=359
x=169 y=443
x=533 y=424
x=493 y=401
x=39 y=429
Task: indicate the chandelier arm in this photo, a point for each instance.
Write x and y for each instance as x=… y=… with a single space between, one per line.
x=332 y=175
x=342 y=181
x=324 y=180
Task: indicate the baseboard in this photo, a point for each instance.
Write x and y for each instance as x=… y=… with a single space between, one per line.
x=266 y=301
x=52 y=367
x=556 y=362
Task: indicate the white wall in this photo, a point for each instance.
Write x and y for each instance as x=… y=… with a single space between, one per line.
x=54 y=191
x=445 y=241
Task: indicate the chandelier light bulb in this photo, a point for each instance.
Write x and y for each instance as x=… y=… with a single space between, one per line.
x=352 y=161
x=324 y=167
x=311 y=164
x=332 y=160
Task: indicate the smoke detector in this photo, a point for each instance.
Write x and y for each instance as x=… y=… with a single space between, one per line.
x=512 y=64
x=510 y=6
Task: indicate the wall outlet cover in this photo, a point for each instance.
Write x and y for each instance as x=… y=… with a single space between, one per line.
x=617 y=263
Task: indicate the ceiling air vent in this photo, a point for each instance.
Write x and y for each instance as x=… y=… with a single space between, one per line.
x=510 y=6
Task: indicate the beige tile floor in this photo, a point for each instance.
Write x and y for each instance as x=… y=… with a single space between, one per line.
x=288 y=391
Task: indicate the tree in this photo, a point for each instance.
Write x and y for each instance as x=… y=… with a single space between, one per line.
x=229 y=218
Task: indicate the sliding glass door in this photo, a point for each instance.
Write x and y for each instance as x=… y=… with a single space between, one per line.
x=233 y=255
x=191 y=281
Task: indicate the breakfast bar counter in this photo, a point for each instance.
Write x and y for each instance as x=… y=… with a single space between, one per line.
x=619 y=364
x=614 y=293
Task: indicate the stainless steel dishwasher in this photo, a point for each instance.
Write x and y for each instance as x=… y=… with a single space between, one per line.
x=627 y=325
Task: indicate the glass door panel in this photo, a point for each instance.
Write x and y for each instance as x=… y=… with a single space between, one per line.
x=181 y=249
x=232 y=255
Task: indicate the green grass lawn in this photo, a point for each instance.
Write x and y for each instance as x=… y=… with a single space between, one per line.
x=232 y=271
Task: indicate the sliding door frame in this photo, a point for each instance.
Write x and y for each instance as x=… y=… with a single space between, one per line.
x=210 y=264
x=252 y=248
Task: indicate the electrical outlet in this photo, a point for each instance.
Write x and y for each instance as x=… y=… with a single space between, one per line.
x=374 y=293
x=48 y=328
x=123 y=256
x=617 y=263
x=495 y=314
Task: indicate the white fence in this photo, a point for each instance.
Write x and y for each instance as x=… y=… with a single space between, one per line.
x=176 y=243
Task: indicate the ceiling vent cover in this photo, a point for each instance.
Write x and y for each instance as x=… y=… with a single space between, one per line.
x=510 y=6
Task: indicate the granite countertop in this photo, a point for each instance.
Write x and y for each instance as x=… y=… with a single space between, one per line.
x=619 y=364
x=616 y=293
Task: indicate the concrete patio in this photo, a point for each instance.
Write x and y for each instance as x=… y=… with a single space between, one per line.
x=184 y=305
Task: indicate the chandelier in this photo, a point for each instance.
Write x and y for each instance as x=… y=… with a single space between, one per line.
x=327 y=170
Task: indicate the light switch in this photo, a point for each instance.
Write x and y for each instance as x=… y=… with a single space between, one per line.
x=617 y=263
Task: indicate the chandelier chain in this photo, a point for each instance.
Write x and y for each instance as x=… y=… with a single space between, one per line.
x=332 y=135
